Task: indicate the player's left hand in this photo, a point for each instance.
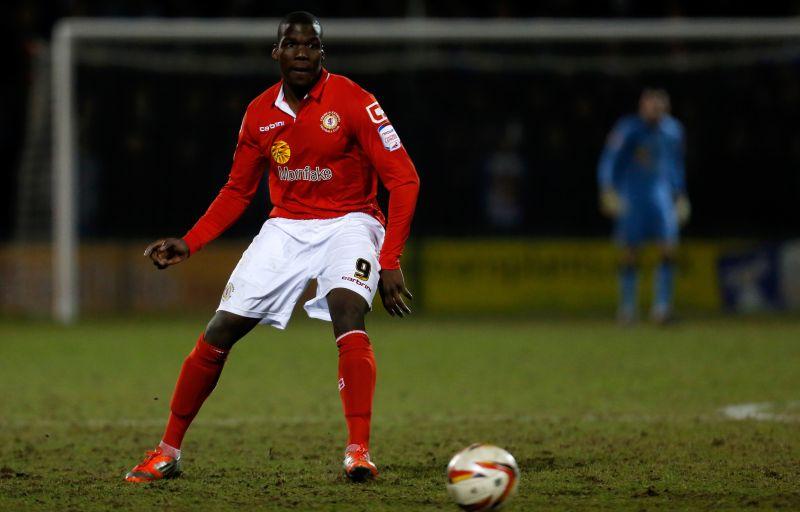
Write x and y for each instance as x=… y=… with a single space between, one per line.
x=683 y=208
x=392 y=288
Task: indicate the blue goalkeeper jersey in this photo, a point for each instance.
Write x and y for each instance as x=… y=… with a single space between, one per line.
x=644 y=163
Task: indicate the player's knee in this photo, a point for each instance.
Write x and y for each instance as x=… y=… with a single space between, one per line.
x=348 y=318
x=220 y=335
x=347 y=309
x=225 y=329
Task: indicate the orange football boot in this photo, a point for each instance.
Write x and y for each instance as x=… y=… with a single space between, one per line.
x=357 y=465
x=155 y=466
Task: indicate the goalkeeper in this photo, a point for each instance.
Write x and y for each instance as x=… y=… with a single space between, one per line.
x=642 y=187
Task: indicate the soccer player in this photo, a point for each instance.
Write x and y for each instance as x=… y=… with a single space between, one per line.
x=641 y=181
x=324 y=143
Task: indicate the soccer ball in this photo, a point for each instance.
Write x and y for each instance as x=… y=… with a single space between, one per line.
x=482 y=477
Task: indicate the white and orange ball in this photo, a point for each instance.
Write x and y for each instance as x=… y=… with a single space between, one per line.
x=482 y=477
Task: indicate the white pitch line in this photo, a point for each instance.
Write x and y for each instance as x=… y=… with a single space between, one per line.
x=760 y=411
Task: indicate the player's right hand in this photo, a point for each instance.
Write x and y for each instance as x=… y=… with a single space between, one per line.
x=610 y=203
x=167 y=251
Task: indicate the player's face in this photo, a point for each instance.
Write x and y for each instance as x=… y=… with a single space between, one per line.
x=299 y=54
x=652 y=107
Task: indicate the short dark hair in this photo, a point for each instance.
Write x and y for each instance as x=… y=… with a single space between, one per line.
x=300 y=18
x=658 y=92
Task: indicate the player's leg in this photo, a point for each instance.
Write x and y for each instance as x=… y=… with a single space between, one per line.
x=356 y=377
x=356 y=362
x=200 y=372
x=225 y=329
x=664 y=285
x=346 y=285
x=263 y=288
x=348 y=311
x=197 y=379
x=663 y=288
x=629 y=235
x=628 y=284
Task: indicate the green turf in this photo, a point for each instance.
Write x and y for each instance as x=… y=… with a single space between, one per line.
x=597 y=416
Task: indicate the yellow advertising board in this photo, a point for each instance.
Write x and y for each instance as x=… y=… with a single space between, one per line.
x=519 y=276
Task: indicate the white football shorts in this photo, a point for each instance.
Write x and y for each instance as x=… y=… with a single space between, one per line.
x=286 y=254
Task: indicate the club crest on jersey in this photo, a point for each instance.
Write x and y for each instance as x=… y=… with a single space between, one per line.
x=376 y=113
x=329 y=121
x=281 y=151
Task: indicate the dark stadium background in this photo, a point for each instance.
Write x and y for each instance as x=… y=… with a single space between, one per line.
x=740 y=185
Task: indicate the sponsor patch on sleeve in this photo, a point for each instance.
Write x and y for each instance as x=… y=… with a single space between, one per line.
x=389 y=137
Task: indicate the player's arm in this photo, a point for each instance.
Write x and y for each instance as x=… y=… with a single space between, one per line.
x=383 y=147
x=610 y=202
x=227 y=207
x=683 y=207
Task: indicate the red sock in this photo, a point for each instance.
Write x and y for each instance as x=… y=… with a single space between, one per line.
x=198 y=377
x=356 y=384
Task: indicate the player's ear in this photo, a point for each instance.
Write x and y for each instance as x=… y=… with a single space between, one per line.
x=275 y=51
x=322 y=53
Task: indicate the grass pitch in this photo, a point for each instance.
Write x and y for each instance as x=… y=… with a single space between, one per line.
x=598 y=417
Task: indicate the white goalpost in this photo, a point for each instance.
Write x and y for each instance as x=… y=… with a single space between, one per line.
x=69 y=32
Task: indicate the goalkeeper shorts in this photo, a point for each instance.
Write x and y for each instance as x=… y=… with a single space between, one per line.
x=647 y=222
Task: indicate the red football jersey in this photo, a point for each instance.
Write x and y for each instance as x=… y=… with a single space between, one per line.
x=323 y=161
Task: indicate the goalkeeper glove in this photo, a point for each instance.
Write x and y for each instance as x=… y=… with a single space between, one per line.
x=683 y=209
x=611 y=203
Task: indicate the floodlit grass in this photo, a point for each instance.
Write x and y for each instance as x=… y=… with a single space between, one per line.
x=597 y=416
